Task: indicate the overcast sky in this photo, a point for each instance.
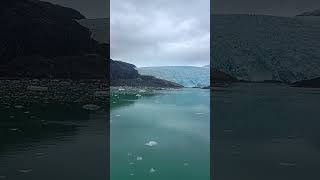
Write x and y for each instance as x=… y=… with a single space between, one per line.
x=160 y=32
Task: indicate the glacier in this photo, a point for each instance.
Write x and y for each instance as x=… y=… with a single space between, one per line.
x=260 y=47
x=187 y=76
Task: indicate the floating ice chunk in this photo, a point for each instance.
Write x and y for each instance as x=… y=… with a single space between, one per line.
x=118 y=115
x=25 y=170
x=27 y=112
x=142 y=91
x=139 y=158
x=18 y=106
x=287 y=164
x=151 y=143
x=138 y=95
x=14 y=129
x=11 y=117
x=129 y=154
x=37 y=88
x=121 y=89
x=131 y=174
x=152 y=170
x=186 y=164
x=199 y=113
x=91 y=107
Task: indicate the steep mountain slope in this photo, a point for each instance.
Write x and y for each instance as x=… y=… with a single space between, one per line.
x=100 y=28
x=125 y=74
x=42 y=40
x=188 y=76
x=258 y=47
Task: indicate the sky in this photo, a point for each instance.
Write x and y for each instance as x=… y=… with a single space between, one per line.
x=160 y=32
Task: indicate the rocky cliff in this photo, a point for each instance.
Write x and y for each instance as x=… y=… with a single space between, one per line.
x=40 y=39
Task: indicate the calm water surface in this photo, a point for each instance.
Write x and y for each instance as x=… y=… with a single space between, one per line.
x=266 y=131
x=177 y=122
x=51 y=142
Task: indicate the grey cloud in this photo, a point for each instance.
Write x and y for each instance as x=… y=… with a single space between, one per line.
x=160 y=32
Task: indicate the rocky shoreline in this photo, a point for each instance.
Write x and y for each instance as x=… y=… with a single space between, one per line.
x=26 y=92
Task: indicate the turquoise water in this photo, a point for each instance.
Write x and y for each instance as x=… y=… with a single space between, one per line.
x=175 y=122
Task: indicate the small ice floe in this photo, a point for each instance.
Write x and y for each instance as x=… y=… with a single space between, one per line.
x=18 y=106
x=25 y=170
x=139 y=158
x=152 y=170
x=14 y=129
x=235 y=146
x=129 y=154
x=151 y=143
x=287 y=164
x=142 y=91
x=185 y=164
x=118 y=115
x=131 y=174
x=3 y=177
x=199 y=113
x=37 y=88
x=121 y=89
x=27 y=112
x=91 y=107
x=138 y=95
x=11 y=117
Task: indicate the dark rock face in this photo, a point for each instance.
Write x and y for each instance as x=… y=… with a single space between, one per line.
x=125 y=74
x=312 y=13
x=122 y=70
x=39 y=39
x=312 y=83
x=219 y=76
